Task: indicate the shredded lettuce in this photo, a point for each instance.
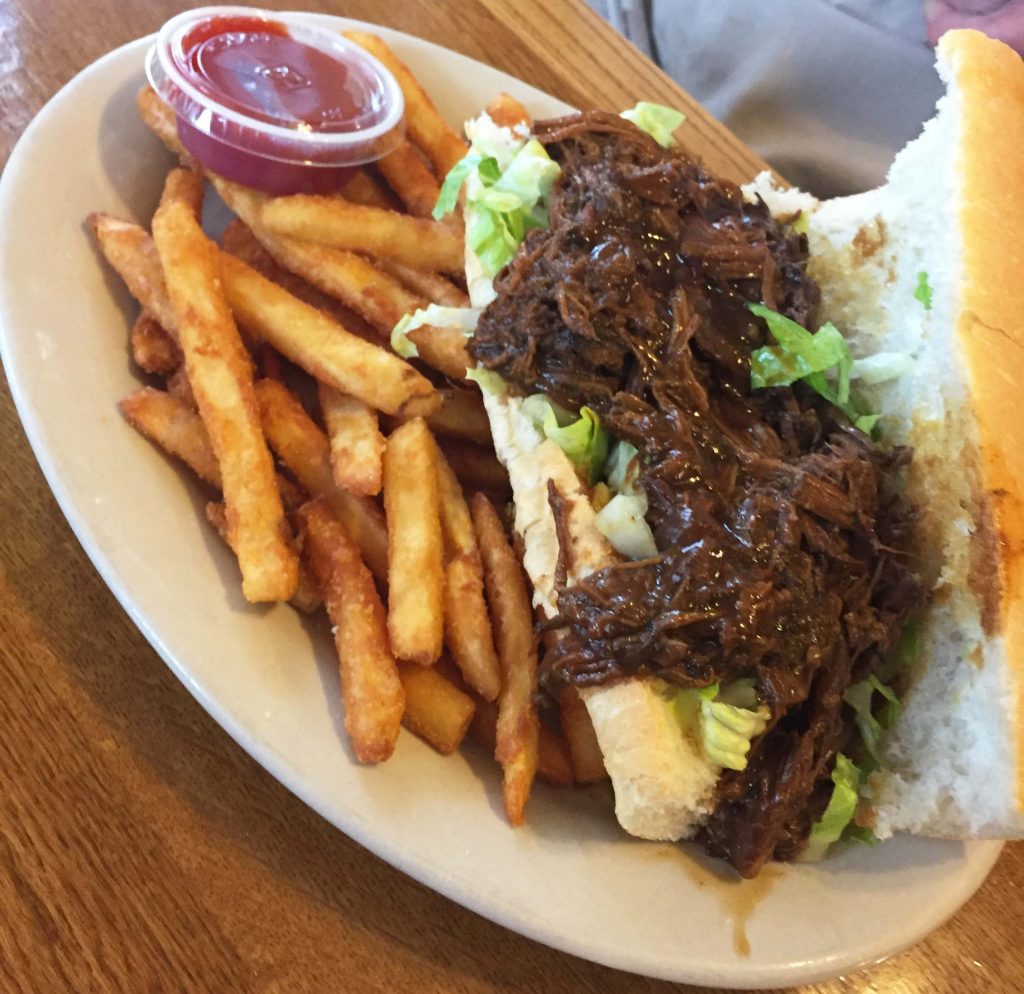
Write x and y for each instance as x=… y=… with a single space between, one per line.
x=725 y=730
x=526 y=181
x=622 y=468
x=658 y=121
x=871 y=722
x=861 y=834
x=923 y=292
x=507 y=180
x=491 y=239
x=801 y=355
x=622 y=521
x=401 y=343
x=453 y=183
x=583 y=439
x=839 y=813
x=487 y=380
x=687 y=705
x=436 y=316
x=909 y=646
x=504 y=209
x=881 y=367
x=623 y=518
x=740 y=693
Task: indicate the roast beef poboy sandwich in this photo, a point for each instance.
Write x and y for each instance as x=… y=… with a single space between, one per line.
x=767 y=466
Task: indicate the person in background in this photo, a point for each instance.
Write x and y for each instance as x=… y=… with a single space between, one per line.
x=826 y=91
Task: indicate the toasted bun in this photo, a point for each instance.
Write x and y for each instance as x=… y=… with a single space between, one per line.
x=663 y=785
x=990 y=327
x=952 y=207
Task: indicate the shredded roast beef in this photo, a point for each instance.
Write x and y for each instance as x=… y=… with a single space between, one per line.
x=778 y=532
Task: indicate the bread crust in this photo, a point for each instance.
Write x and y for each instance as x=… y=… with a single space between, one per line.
x=990 y=327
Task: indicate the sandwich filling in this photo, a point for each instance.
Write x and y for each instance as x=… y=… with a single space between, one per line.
x=778 y=558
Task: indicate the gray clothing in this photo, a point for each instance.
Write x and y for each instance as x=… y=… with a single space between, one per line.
x=827 y=92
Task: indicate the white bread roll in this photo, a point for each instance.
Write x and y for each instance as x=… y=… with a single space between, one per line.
x=953 y=207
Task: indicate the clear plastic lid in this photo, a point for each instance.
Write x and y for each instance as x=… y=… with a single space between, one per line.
x=276 y=86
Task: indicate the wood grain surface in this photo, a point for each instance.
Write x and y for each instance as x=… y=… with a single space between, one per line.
x=140 y=849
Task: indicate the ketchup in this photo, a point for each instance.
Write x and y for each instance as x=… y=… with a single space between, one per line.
x=256 y=67
x=274 y=101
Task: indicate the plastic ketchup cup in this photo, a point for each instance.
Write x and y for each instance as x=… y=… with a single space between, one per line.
x=273 y=101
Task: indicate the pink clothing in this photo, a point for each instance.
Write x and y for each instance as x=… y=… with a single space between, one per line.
x=1002 y=19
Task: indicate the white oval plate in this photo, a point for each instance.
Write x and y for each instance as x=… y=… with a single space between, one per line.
x=569 y=878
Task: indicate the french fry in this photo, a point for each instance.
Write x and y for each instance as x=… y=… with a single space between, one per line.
x=483 y=728
x=408 y=175
x=332 y=221
x=269 y=362
x=587 y=760
x=179 y=387
x=553 y=763
x=435 y=709
x=307 y=597
x=159 y=118
x=462 y=415
x=187 y=185
x=553 y=766
x=372 y=692
x=239 y=240
x=507 y=112
x=434 y=287
x=292 y=495
x=477 y=468
x=442 y=348
x=339 y=274
x=357 y=446
x=305 y=451
x=467 y=629
x=218 y=517
x=415 y=545
x=443 y=147
x=220 y=373
x=356 y=282
x=321 y=346
x=364 y=189
x=456 y=521
x=518 y=727
x=371 y=293
x=467 y=624
x=175 y=427
x=378 y=298
x=153 y=349
x=130 y=251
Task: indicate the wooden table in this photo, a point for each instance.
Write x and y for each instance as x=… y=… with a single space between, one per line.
x=140 y=849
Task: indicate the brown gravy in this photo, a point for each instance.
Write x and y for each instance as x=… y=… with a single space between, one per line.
x=739 y=898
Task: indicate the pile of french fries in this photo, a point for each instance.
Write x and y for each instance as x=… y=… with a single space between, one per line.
x=341 y=470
